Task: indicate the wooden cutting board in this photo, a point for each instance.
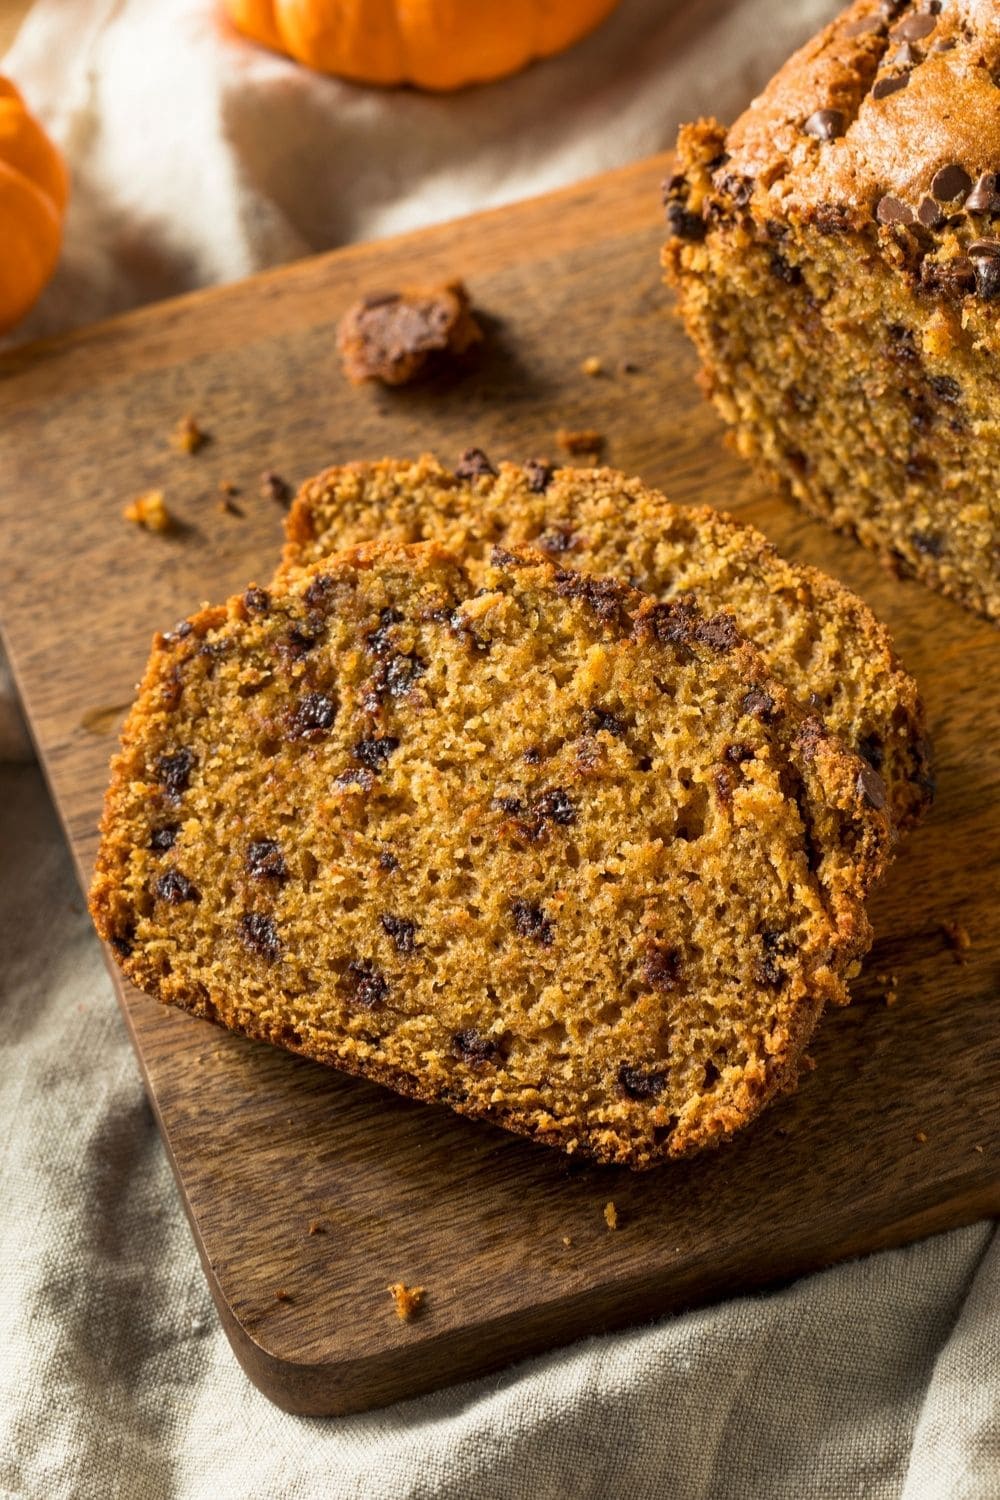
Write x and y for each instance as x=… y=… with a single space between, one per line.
x=895 y=1134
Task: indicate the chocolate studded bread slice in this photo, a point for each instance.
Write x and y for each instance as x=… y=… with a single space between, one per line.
x=535 y=845
x=816 y=637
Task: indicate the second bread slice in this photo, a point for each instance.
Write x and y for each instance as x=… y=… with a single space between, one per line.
x=818 y=638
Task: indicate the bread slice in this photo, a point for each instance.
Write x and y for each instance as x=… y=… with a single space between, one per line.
x=816 y=637
x=532 y=845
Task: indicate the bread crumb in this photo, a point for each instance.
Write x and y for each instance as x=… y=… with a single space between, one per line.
x=282 y=1296
x=611 y=1216
x=407 y=1300
x=149 y=511
x=316 y=1226
x=890 y=987
x=920 y=1136
x=395 y=336
x=979 y=1150
x=567 y=1240
x=957 y=937
x=592 y=365
x=188 y=437
x=585 y=440
x=273 y=487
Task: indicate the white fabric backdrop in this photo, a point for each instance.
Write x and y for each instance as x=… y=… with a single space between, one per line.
x=196 y=159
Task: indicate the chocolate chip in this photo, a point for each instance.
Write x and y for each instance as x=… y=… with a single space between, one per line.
x=673 y=622
x=539 y=475
x=397 y=676
x=182 y=629
x=531 y=922
x=356 y=776
x=123 y=944
x=929 y=544
x=476 y=1050
x=260 y=935
x=474 y=464
x=174 y=888
x=718 y=633
x=163 y=837
x=738 y=753
x=672 y=187
x=871 y=787
x=766 y=970
x=682 y=225
x=265 y=860
x=257 y=601
x=375 y=753
x=512 y=806
x=735 y=186
x=368 y=986
x=983 y=248
x=640 y=1083
x=758 y=703
x=603 y=718
x=950 y=183
x=400 y=930
x=532 y=755
x=557 y=541
x=784 y=270
x=554 y=806
x=929 y=213
x=174 y=771
x=984 y=198
x=388 y=861
x=914 y=28
x=945 y=387
x=865 y=26
x=660 y=966
x=319 y=590
x=891 y=85
x=312 y=717
x=988 y=277
x=298 y=640
x=952 y=278
x=273 y=487
x=604 y=597
x=891 y=211
x=825 y=124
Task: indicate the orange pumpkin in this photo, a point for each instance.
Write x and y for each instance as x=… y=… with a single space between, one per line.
x=434 y=44
x=34 y=186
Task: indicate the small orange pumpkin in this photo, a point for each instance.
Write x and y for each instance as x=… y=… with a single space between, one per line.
x=34 y=186
x=434 y=44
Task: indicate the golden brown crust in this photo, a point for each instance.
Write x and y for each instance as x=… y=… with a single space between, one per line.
x=816 y=636
x=374 y=817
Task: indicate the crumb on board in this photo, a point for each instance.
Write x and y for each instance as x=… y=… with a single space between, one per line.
x=567 y=1240
x=228 y=504
x=316 y=1226
x=149 y=510
x=583 y=440
x=273 y=487
x=407 y=1300
x=628 y=367
x=956 y=935
x=611 y=1216
x=979 y=1150
x=890 y=987
x=592 y=365
x=227 y=487
x=188 y=436
x=282 y=1296
x=920 y=1136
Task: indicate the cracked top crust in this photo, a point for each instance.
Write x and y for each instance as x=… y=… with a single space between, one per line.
x=886 y=124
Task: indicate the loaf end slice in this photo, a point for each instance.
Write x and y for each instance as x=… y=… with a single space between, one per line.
x=537 y=846
x=836 y=255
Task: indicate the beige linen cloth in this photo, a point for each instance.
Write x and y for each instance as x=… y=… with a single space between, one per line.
x=196 y=159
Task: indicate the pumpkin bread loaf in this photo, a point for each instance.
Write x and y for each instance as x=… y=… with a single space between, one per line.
x=837 y=259
x=533 y=845
x=816 y=637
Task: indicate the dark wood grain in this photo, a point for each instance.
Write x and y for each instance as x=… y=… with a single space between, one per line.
x=263 y=1143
